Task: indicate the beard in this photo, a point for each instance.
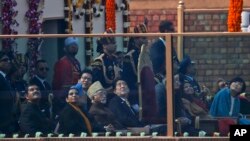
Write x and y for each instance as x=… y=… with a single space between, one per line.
x=72 y=53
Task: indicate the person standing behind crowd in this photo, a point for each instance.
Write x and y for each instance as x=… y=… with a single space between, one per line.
x=157 y=50
x=129 y=73
x=105 y=67
x=66 y=72
x=7 y=97
x=16 y=75
x=40 y=80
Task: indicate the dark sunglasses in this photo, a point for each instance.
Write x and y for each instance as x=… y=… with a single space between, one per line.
x=5 y=60
x=44 y=69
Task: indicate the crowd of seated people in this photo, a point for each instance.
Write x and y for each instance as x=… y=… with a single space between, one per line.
x=106 y=97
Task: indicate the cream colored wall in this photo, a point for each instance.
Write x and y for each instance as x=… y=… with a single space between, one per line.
x=189 y=4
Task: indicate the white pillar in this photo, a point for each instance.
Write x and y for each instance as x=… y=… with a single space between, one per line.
x=245 y=20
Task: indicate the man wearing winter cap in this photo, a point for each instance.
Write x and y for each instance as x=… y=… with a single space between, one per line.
x=66 y=71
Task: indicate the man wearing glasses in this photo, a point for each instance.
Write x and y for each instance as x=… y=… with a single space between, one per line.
x=6 y=97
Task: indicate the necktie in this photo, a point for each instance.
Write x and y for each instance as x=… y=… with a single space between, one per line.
x=46 y=85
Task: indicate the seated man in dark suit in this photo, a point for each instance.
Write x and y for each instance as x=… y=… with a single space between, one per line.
x=121 y=107
x=126 y=114
x=32 y=120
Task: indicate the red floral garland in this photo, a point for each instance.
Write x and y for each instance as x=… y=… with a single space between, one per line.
x=33 y=16
x=8 y=21
x=234 y=15
x=110 y=15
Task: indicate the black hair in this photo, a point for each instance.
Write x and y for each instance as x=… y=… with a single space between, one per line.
x=40 y=61
x=115 y=81
x=239 y=79
x=27 y=87
x=86 y=71
x=166 y=25
x=72 y=88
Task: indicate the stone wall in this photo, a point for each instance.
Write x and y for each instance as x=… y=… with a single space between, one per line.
x=219 y=57
x=216 y=57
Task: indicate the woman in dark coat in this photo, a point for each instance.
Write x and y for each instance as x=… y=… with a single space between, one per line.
x=73 y=119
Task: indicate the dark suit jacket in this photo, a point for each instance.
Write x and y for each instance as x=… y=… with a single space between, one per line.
x=6 y=106
x=104 y=116
x=157 y=54
x=45 y=90
x=33 y=120
x=125 y=115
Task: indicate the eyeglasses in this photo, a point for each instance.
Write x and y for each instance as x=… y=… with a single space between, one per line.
x=44 y=69
x=5 y=60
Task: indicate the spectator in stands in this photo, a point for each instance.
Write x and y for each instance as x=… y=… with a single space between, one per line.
x=220 y=84
x=157 y=50
x=75 y=120
x=130 y=65
x=98 y=109
x=226 y=102
x=245 y=103
x=160 y=89
x=193 y=105
x=16 y=75
x=7 y=122
x=83 y=84
x=39 y=79
x=105 y=66
x=18 y=85
x=188 y=69
x=32 y=120
x=121 y=107
x=66 y=72
x=126 y=114
x=183 y=119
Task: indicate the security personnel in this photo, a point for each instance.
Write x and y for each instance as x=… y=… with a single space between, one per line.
x=105 y=67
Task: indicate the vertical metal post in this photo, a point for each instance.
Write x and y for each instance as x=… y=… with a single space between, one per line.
x=180 y=21
x=169 y=85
